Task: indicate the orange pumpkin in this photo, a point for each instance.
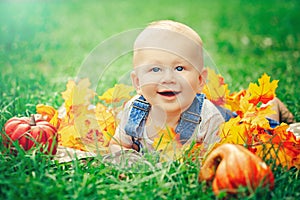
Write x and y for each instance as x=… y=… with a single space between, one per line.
x=30 y=132
x=230 y=166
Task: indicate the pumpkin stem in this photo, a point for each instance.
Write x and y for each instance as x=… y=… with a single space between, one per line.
x=32 y=121
x=208 y=170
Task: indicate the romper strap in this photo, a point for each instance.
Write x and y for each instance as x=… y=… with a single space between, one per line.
x=190 y=119
x=136 y=121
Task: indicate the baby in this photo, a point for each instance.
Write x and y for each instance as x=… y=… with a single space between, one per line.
x=168 y=76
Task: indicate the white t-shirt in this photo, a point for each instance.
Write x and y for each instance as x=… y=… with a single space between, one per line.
x=205 y=133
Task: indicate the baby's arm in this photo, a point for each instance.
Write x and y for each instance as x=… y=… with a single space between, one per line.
x=211 y=128
x=208 y=132
x=120 y=141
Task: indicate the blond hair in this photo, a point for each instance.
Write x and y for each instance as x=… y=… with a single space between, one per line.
x=177 y=27
x=173 y=37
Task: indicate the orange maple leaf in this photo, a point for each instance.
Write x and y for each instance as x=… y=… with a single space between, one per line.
x=283 y=145
x=263 y=92
x=195 y=151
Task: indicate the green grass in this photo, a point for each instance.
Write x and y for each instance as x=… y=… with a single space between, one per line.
x=43 y=44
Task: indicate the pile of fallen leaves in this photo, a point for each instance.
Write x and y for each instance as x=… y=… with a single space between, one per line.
x=251 y=127
x=82 y=125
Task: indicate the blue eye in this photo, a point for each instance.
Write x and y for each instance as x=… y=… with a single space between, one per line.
x=179 y=68
x=155 y=69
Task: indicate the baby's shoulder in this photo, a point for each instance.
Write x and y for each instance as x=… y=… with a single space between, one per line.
x=130 y=101
x=209 y=109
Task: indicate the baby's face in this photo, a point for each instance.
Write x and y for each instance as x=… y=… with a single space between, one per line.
x=166 y=80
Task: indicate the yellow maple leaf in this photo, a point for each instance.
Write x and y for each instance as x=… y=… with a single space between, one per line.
x=106 y=120
x=263 y=92
x=69 y=137
x=80 y=128
x=215 y=89
x=104 y=115
x=261 y=117
x=254 y=115
x=165 y=137
x=77 y=94
x=233 y=131
x=82 y=131
x=116 y=94
x=49 y=113
x=168 y=144
x=233 y=100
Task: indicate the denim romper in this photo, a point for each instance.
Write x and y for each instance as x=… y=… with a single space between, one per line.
x=188 y=122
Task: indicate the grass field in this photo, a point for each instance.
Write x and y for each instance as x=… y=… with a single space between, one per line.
x=44 y=43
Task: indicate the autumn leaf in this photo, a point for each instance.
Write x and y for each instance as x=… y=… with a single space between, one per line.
x=48 y=113
x=233 y=132
x=279 y=154
x=195 y=151
x=77 y=94
x=90 y=127
x=104 y=115
x=252 y=129
x=215 y=89
x=168 y=144
x=263 y=92
x=233 y=100
x=283 y=146
x=254 y=115
x=79 y=127
x=72 y=127
x=69 y=137
x=116 y=94
x=165 y=137
x=107 y=121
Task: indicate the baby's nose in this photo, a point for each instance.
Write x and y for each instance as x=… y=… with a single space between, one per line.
x=168 y=76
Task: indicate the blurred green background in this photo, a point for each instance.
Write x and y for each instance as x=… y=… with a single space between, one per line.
x=43 y=43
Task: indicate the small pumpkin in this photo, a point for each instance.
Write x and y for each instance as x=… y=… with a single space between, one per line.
x=30 y=132
x=230 y=166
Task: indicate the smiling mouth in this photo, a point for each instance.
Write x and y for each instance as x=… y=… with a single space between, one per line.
x=168 y=93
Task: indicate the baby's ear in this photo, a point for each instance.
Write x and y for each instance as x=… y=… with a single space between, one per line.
x=202 y=80
x=135 y=82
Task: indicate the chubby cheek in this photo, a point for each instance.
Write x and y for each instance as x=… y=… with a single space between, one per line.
x=148 y=90
x=195 y=85
x=142 y=83
x=148 y=84
x=188 y=86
